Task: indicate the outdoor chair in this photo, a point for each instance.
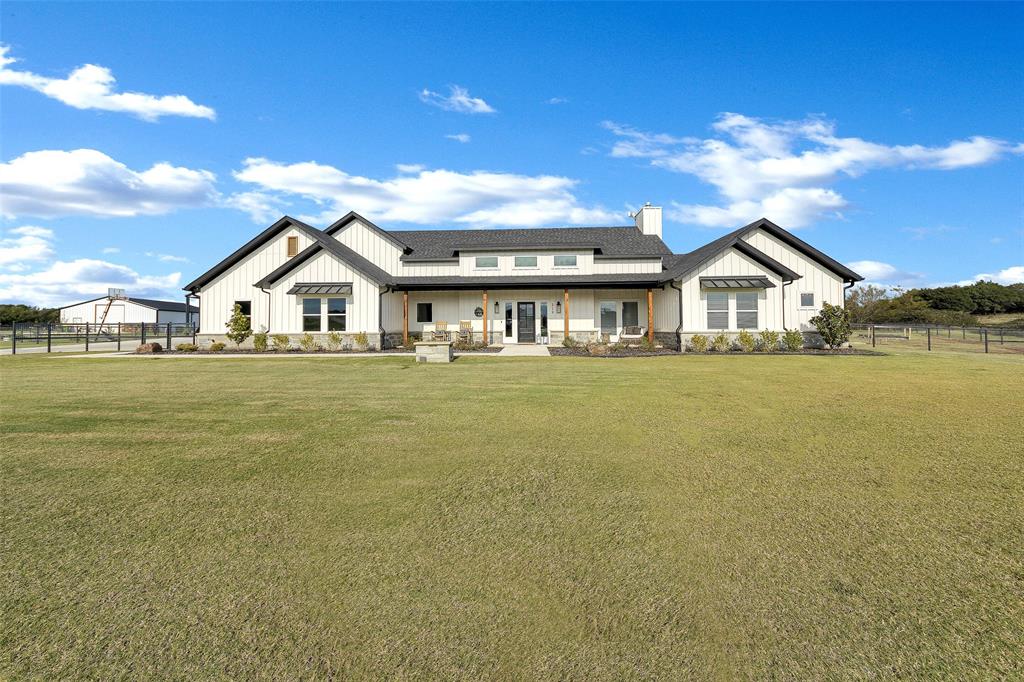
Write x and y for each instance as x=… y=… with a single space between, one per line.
x=441 y=331
x=466 y=331
x=631 y=334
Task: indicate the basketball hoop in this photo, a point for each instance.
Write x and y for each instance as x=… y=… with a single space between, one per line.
x=116 y=293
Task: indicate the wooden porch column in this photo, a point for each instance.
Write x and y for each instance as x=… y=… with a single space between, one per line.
x=650 y=315
x=565 y=312
x=487 y=335
x=405 y=318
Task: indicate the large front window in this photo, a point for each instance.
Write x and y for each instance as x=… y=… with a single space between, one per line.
x=311 y=314
x=336 y=314
x=718 y=310
x=544 y=319
x=609 y=321
x=630 y=314
x=246 y=308
x=508 y=320
x=424 y=312
x=746 y=310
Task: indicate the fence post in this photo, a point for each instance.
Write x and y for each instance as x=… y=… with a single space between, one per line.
x=49 y=335
x=119 y=336
x=986 y=340
x=1000 y=336
x=193 y=333
x=142 y=325
x=965 y=332
x=872 y=336
x=14 y=338
x=168 y=347
x=86 y=337
x=929 y=338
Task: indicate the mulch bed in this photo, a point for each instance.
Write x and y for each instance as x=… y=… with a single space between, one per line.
x=636 y=353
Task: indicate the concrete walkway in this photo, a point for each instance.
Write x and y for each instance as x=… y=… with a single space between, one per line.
x=525 y=350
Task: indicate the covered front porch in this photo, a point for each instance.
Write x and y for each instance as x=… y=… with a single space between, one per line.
x=526 y=315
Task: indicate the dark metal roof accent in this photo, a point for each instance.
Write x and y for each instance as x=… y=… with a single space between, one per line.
x=736 y=282
x=627 y=280
x=321 y=288
x=166 y=306
x=628 y=241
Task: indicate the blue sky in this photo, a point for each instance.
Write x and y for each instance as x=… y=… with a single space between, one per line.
x=890 y=136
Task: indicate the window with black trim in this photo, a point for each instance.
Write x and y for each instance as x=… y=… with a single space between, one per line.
x=246 y=308
x=630 y=314
x=424 y=312
x=746 y=310
x=336 y=314
x=311 y=314
x=718 y=310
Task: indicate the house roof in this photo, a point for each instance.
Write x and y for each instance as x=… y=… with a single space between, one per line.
x=609 y=242
x=681 y=264
x=737 y=282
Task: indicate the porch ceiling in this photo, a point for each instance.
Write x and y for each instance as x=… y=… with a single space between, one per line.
x=616 y=281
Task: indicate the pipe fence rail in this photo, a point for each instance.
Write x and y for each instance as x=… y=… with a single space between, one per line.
x=57 y=337
x=940 y=337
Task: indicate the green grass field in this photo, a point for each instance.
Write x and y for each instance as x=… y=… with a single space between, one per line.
x=563 y=518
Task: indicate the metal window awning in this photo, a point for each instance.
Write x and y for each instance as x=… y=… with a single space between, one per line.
x=735 y=283
x=312 y=288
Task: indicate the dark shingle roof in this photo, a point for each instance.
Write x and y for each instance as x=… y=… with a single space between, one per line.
x=169 y=306
x=608 y=241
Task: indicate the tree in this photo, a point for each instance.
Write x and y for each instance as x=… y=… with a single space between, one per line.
x=833 y=323
x=238 y=326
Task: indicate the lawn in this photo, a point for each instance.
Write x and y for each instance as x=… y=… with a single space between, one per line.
x=562 y=518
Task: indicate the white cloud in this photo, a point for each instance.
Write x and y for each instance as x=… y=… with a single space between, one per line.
x=920 y=233
x=459 y=137
x=52 y=183
x=883 y=273
x=167 y=258
x=92 y=87
x=71 y=281
x=478 y=198
x=558 y=100
x=782 y=170
x=25 y=243
x=458 y=99
x=261 y=207
x=1010 y=275
x=111 y=249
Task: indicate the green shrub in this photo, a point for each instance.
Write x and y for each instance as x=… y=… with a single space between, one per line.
x=186 y=348
x=362 y=341
x=571 y=342
x=217 y=346
x=745 y=340
x=793 y=340
x=699 y=343
x=334 y=341
x=647 y=345
x=833 y=323
x=769 y=341
x=259 y=341
x=721 y=343
x=238 y=327
x=281 y=342
x=308 y=343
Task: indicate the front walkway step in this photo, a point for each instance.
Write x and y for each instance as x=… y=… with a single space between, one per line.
x=525 y=350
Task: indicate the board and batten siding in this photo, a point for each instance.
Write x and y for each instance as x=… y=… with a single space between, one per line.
x=729 y=262
x=217 y=299
x=826 y=286
x=361 y=308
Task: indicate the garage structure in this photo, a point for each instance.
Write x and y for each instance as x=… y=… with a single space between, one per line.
x=116 y=307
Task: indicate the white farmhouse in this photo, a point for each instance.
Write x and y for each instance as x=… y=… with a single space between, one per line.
x=519 y=285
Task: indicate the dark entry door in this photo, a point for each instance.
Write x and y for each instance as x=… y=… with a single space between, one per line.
x=527 y=333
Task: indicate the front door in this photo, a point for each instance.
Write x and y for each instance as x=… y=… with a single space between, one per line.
x=527 y=330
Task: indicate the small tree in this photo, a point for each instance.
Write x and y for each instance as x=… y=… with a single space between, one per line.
x=833 y=323
x=238 y=327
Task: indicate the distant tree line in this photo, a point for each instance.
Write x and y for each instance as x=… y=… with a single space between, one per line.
x=25 y=313
x=954 y=305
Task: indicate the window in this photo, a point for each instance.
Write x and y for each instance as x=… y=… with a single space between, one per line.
x=806 y=300
x=630 y=314
x=544 y=320
x=565 y=261
x=424 y=312
x=508 y=320
x=293 y=246
x=486 y=262
x=718 y=310
x=609 y=323
x=336 y=308
x=526 y=261
x=311 y=314
x=246 y=307
x=746 y=310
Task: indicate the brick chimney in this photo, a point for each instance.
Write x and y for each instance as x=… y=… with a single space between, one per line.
x=648 y=219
